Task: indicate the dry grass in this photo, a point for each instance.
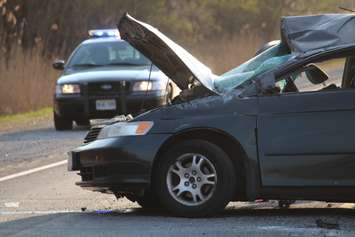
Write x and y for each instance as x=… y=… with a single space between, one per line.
x=226 y=53
x=26 y=121
x=28 y=82
x=20 y=117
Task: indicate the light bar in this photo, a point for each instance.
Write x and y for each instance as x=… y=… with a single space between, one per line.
x=104 y=33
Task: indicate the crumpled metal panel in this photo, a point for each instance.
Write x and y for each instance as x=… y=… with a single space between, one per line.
x=304 y=34
x=178 y=64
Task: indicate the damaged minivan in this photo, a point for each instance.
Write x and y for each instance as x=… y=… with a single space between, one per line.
x=278 y=127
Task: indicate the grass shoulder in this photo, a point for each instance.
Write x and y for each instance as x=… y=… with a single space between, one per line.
x=7 y=122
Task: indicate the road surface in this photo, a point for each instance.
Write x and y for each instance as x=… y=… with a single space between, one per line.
x=47 y=203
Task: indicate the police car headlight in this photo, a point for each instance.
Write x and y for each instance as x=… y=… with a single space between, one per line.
x=149 y=86
x=126 y=129
x=68 y=89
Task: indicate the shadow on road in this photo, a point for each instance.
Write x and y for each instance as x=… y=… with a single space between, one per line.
x=239 y=212
x=289 y=212
x=133 y=222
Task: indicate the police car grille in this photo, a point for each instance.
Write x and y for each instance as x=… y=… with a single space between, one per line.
x=92 y=134
x=105 y=88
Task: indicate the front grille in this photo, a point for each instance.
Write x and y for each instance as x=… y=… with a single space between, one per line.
x=108 y=88
x=92 y=134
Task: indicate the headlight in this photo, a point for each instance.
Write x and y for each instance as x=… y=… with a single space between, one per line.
x=126 y=129
x=149 y=85
x=68 y=89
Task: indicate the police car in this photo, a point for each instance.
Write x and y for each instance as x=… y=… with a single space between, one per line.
x=104 y=77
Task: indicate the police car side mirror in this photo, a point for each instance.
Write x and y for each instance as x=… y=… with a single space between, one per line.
x=58 y=64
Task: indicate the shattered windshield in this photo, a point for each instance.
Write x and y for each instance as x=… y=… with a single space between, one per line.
x=265 y=61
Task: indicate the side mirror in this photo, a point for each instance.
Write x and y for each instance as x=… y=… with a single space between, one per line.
x=263 y=84
x=58 y=64
x=315 y=75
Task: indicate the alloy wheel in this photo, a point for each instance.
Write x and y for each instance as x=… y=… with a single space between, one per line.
x=192 y=179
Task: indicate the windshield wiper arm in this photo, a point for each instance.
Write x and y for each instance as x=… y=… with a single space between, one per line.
x=86 y=65
x=125 y=64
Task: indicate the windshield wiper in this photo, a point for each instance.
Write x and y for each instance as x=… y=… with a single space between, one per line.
x=125 y=64
x=86 y=65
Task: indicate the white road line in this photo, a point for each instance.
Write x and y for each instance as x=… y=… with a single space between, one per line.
x=31 y=171
x=12 y=204
x=3 y=213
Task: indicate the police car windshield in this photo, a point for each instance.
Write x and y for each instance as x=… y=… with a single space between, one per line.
x=114 y=53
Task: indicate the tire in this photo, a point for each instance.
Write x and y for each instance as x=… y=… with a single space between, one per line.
x=285 y=204
x=148 y=201
x=212 y=179
x=169 y=96
x=83 y=123
x=61 y=123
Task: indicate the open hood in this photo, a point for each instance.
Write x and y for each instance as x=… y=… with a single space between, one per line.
x=178 y=64
x=314 y=33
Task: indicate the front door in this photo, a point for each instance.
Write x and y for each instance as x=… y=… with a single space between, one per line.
x=307 y=138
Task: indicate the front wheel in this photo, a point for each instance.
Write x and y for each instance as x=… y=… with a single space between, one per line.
x=195 y=178
x=61 y=123
x=148 y=201
x=169 y=96
x=83 y=123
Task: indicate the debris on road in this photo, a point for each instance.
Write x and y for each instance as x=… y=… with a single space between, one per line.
x=331 y=225
x=103 y=211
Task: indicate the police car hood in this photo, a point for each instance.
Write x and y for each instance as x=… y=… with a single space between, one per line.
x=110 y=73
x=178 y=64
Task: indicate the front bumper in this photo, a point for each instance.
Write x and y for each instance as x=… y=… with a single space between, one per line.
x=83 y=107
x=120 y=164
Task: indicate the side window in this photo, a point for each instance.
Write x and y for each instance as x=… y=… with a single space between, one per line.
x=318 y=76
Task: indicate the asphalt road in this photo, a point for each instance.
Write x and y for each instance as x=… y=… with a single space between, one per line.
x=47 y=203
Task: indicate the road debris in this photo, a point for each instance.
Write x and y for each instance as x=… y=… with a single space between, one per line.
x=103 y=211
x=331 y=225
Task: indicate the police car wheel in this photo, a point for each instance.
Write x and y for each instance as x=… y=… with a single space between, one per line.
x=169 y=97
x=83 y=123
x=61 y=123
